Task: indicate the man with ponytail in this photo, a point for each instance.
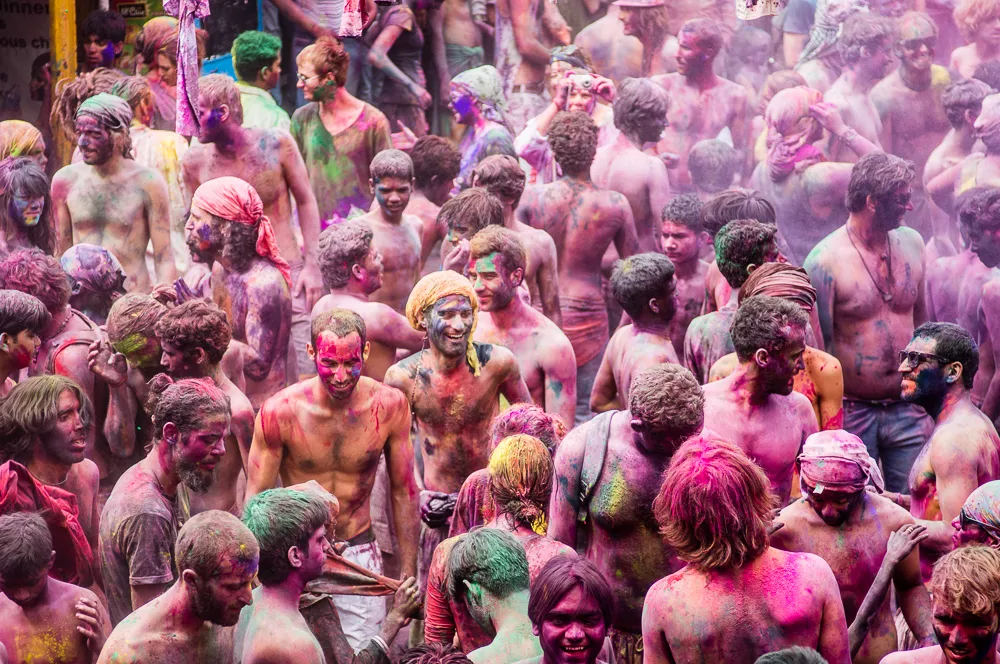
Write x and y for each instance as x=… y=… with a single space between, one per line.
x=191 y=419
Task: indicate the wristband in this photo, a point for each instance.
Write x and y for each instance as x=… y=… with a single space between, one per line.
x=381 y=644
x=849 y=135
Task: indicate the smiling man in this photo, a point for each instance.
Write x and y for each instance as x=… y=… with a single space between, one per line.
x=139 y=524
x=333 y=428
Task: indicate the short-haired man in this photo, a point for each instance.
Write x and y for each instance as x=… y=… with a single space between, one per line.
x=96 y=280
x=741 y=246
x=23 y=318
x=334 y=428
x=683 y=236
x=979 y=521
x=139 y=522
x=497 y=260
x=702 y=104
x=849 y=527
x=470 y=211
x=102 y=37
x=44 y=425
x=713 y=165
x=666 y=408
x=36 y=608
x=109 y=199
x=216 y=564
x=269 y=161
x=193 y=337
x=352 y=270
x=909 y=102
x=965 y=588
x=570 y=610
x=502 y=176
x=738 y=597
x=584 y=220
x=640 y=109
x=644 y=287
x=869 y=280
x=979 y=216
x=488 y=571
x=454 y=388
x=396 y=234
x=755 y=407
x=291 y=528
x=257 y=63
x=435 y=166
x=963 y=451
x=227 y=225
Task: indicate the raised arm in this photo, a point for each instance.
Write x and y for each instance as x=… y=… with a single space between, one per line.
x=294 y=169
x=399 y=461
x=378 y=55
x=911 y=594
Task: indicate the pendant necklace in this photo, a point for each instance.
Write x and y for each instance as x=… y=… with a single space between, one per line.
x=886 y=294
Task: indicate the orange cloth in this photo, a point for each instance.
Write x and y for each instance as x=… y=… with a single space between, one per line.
x=438 y=285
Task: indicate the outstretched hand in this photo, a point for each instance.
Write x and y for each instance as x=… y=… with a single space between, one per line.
x=903 y=541
x=407 y=602
x=109 y=365
x=404 y=139
x=457 y=259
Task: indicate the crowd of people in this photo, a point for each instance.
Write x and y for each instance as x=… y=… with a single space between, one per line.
x=672 y=335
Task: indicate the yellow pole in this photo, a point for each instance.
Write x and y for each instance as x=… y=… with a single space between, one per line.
x=63 y=13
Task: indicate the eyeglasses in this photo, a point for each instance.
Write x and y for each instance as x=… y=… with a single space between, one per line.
x=914 y=44
x=307 y=78
x=914 y=359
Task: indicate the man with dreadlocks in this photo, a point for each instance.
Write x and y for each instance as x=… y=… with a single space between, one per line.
x=109 y=199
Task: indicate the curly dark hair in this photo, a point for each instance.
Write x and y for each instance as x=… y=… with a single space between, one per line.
x=740 y=244
x=860 y=33
x=434 y=653
x=241 y=243
x=502 y=176
x=573 y=139
x=760 y=322
x=434 y=157
x=733 y=204
x=637 y=100
x=638 y=279
x=878 y=175
x=668 y=399
x=684 y=210
x=955 y=344
x=198 y=323
x=21 y=311
x=341 y=247
x=965 y=95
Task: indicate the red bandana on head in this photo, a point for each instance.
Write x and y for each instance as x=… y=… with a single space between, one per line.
x=235 y=200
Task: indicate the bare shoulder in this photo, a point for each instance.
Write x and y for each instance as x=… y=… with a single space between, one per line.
x=666 y=81
x=402 y=374
x=909 y=238
x=390 y=397
x=87 y=472
x=930 y=655
x=891 y=515
x=288 y=642
x=414 y=223
x=65 y=177
x=494 y=357
x=802 y=406
x=282 y=402
x=825 y=254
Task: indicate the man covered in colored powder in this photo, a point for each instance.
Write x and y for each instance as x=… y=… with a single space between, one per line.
x=257 y=64
x=584 y=220
x=477 y=101
x=194 y=337
x=702 y=104
x=337 y=134
x=738 y=597
x=963 y=451
x=977 y=20
x=850 y=527
x=216 y=563
x=436 y=163
x=252 y=282
x=683 y=237
x=822 y=379
x=23 y=318
x=909 y=102
x=641 y=116
x=607 y=474
x=869 y=280
x=497 y=260
x=643 y=285
x=652 y=50
x=291 y=527
x=139 y=523
x=965 y=587
x=109 y=199
x=44 y=619
x=454 y=388
x=978 y=523
x=352 y=268
x=102 y=38
x=462 y=216
x=396 y=235
x=333 y=428
x=755 y=406
x=96 y=279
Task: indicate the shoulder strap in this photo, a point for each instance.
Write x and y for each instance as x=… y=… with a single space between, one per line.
x=593 y=459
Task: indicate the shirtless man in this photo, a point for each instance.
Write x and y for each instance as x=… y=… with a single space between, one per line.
x=909 y=102
x=109 y=199
x=503 y=177
x=270 y=161
x=36 y=609
x=22 y=319
x=979 y=169
x=869 y=280
x=614 y=53
x=333 y=428
x=520 y=57
x=979 y=23
x=665 y=409
x=497 y=261
x=217 y=560
x=462 y=29
x=194 y=336
x=649 y=22
x=702 y=104
x=965 y=586
x=290 y=526
x=683 y=237
x=435 y=166
x=251 y=282
x=454 y=388
x=644 y=287
x=963 y=452
x=755 y=406
x=396 y=234
x=980 y=220
x=352 y=269
x=738 y=597
x=849 y=527
x=865 y=50
x=641 y=116
x=583 y=220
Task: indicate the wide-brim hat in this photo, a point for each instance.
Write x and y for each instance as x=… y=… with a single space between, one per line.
x=640 y=3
